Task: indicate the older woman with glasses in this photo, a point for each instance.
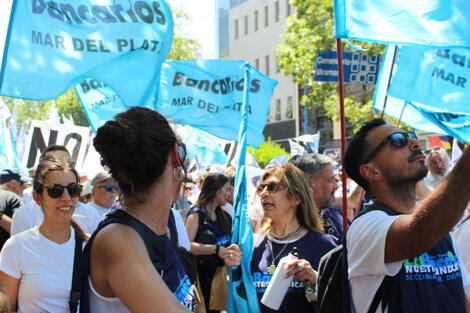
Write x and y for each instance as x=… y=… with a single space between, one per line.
x=36 y=265
x=290 y=220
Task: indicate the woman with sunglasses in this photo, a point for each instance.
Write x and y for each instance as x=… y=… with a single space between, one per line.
x=143 y=155
x=290 y=220
x=36 y=265
x=209 y=228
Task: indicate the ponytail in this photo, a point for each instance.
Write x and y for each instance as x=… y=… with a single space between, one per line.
x=78 y=230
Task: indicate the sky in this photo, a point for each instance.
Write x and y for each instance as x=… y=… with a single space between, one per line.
x=202 y=24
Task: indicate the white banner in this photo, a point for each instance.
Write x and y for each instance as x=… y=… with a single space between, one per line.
x=44 y=134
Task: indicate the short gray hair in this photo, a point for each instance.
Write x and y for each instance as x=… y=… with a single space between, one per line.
x=311 y=164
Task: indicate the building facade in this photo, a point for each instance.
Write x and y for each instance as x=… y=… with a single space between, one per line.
x=254 y=31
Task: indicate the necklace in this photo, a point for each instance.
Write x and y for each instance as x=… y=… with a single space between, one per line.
x=125 y=208
x=272 y=268
x=294 y=233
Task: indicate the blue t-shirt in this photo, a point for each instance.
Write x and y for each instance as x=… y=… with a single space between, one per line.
x=333 y=221
x=311 y=247
x=175 y=277
x=431 y=283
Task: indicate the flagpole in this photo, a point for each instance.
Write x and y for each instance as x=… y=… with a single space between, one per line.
x=389 y=81
x=343 y=130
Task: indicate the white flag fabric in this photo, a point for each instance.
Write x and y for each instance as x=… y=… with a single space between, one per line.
x=295 y=149
x=456 y=152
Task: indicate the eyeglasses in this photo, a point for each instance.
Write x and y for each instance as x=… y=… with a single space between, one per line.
x=109 y=188
x=271 y=187
x=181 y=153
x=56 y=191
x=398 y=139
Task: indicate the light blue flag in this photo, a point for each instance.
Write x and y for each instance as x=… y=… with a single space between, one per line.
x=436 y=23
x=201 y=147
x=208 y=94
x=100 y=103
x=423 y=75
x=53 y=46
x=280 y=159
x=242 y=296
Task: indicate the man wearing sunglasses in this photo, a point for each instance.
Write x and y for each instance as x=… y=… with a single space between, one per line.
x=404 y=248
x=437 y=163
x=105 y=192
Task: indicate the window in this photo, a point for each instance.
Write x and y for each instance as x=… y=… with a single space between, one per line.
x=255 y=20
x=257 y=64
x=266 y=61
x=288 y=8
x=245 y=18
x=290 y=105
x=277 y=16
x=236 y=29
x=277 y=116
x=266 y=16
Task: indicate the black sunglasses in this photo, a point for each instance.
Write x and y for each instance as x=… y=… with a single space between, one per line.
x=398 y=139
x=271 y=187
x=56 y=191
x=109 y=188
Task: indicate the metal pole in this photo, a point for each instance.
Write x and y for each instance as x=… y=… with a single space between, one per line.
x=343 y=130
x=306 y=109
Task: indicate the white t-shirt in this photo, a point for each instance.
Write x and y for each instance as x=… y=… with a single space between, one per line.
x=100 y=304
x=99 y=209
x=183 y=239
x=462 y=237
x=30 y=214
x=44 y=267
x=366 y=258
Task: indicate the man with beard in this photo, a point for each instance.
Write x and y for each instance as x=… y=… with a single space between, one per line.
x=403 y=249
x=438 y=166
x=319 y=170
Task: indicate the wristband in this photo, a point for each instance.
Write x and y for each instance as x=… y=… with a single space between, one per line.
x=217 y=248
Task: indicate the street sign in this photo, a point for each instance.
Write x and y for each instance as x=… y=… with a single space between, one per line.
x=358 y=67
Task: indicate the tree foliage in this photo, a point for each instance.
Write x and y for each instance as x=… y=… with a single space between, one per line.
x=68 y=104
x=267 y=151
x=310 y=30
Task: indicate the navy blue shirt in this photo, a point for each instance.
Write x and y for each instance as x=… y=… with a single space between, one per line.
x=311 y=247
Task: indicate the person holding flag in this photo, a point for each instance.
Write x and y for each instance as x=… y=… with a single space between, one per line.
x=290 y=220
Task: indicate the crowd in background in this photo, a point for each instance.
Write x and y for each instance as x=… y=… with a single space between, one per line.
x=122 y=219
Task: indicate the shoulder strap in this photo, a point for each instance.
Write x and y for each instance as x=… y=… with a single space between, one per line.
x=75 y=291
x=154 y=244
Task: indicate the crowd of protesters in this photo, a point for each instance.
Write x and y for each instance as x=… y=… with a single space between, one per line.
x=152 y=238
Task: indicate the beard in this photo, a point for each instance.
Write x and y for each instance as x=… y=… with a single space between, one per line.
x=400 y=177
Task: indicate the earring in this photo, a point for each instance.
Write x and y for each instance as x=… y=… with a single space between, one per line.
x=178 y=173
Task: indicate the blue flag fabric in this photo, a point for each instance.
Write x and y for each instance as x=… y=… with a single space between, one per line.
x=208 y=94
x=53 y=46
x=427 y=90
x=242 y=296
x=204 y=149
x=439 y=23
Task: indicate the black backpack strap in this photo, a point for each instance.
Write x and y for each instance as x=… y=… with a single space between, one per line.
x=154 y=244
x=75 y=291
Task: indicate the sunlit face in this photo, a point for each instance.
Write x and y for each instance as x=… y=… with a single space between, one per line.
x=437 y=164
x=324 y=187
x=275 y=202
x=103 y=196
x=62 y=208
x=223 y=194
x=16 y=187
x=399 y=164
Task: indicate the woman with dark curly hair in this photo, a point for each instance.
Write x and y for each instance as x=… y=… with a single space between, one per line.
x=143 y=155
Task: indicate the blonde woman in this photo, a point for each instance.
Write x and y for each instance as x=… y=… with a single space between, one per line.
x=290 y=220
